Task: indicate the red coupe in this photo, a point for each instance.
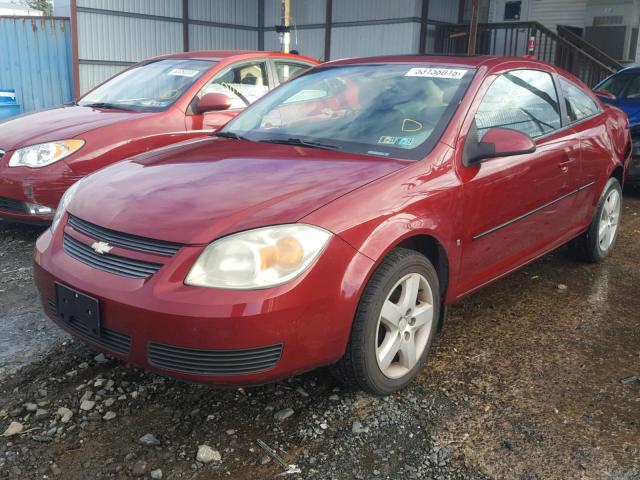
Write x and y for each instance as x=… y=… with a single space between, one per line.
x=332 y=221
x=155 y=103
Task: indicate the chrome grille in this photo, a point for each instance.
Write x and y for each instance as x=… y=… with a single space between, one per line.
x=126 y=267
x=214 y=362
x=133 y=242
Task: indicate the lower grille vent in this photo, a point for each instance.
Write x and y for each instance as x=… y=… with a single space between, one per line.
x=10 y=205
x=214 y=362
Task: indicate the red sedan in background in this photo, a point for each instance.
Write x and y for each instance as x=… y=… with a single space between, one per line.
x=152 y=104
x=332 y=221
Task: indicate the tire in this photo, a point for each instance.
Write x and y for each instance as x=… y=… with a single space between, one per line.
x=366 y=363
x=591 y=246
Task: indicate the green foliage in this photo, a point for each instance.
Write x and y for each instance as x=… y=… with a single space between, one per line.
x=45 y=5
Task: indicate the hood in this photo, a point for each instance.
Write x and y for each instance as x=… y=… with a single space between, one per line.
x=197 y=192
x=61 y=123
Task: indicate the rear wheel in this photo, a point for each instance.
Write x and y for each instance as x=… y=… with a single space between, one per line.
x=597 y=243
x=394 y=325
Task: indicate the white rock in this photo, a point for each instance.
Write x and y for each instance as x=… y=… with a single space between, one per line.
x=65 y=414
x=14 y=428
x=109 y=416
x=156 y=474
x=283 y=414
x=87 y=405
x=109 y=401
x=149 y=439
x=31 y=407
x=206 y=454
x=86 y=396
x=100 y=358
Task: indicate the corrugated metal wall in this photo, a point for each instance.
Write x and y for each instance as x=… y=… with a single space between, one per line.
x=356 y=29
x=35 y=60
x=115 y=33
x=223 y=24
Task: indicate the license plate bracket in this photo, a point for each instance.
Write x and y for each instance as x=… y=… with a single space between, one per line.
x=79 y=310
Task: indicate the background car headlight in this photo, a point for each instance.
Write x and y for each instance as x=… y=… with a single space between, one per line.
x=37 y=156
x=259 y=258
x=64 y=203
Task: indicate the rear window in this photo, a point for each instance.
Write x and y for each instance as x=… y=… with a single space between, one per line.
x=579 y=104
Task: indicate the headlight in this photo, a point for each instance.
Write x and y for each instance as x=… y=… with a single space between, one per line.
x=44 y=154
x=64 y=203
x=259 y=258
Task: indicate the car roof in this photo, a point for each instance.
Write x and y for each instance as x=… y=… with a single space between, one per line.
x=630 y=69
x=224 y=54
x=466 y=61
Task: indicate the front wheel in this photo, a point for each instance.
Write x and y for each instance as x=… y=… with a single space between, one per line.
x=394 y=325
x=597 y=243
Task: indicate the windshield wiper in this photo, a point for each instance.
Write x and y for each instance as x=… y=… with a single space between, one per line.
x=302 y=143
x=235 y=136
x=105 y=105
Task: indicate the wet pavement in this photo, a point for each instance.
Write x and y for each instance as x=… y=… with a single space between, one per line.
x=534 y=377
x=26 y=335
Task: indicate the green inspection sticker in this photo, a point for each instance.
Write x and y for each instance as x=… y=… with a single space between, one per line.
x=400 y=141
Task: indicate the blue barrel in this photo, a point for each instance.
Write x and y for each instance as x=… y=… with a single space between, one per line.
x=8 y=104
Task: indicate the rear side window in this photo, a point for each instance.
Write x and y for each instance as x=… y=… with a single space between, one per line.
x=579 y=104
x=523 y=100
x=286 y=70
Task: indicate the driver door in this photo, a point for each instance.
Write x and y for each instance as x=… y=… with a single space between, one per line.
x=517 y=206
x=243 y=83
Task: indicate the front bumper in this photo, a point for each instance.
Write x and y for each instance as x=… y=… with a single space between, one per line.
x=40 y=186
x=213 y=335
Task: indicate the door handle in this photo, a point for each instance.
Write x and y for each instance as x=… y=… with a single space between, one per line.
x=564 y=164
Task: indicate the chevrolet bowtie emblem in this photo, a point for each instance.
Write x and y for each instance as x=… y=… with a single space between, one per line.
x=101 y=247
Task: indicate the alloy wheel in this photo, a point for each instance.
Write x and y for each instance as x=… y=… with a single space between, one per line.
x=609 y=218
x=404 y=325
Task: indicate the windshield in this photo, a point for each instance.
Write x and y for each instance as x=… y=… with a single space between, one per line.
x=398 y=111
x=148 y=87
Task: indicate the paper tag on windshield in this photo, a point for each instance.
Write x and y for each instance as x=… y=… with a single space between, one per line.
x=453 y=73
x=181 y=72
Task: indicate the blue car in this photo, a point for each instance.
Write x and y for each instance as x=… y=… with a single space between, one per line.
x=622 y=89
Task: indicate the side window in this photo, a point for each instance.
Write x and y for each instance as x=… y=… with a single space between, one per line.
x=633 y=89
x=243 y=84
x=286 y=70
x=523 y=100
x=579 y=104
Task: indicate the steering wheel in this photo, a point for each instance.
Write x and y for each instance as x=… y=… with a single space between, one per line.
x=236 y=92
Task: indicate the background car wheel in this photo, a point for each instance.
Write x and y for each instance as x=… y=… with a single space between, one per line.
x=597 y=243
x=394 y=325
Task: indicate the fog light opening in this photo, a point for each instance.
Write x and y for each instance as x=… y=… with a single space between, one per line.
x=35 y=209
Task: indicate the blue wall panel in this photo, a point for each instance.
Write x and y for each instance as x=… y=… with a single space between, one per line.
x=35 y=60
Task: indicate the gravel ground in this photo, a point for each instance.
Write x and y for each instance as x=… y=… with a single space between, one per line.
x=535 y=377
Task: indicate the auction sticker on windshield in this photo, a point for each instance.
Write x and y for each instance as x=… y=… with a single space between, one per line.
x=181 y=72
x=453 y=73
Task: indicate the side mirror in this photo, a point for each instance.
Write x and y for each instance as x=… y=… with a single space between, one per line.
x=497 y=142
x=213 y=102
x=605 y=95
